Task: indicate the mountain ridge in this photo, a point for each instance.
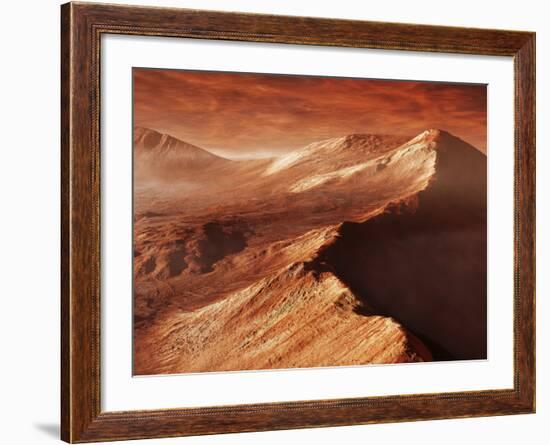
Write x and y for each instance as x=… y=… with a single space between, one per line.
x=354 y=246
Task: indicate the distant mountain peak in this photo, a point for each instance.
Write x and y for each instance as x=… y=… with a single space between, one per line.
x=150 y=140
x=439 y=136
x=163 y=155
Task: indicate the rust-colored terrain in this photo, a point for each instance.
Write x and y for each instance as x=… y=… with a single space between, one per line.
x=354 y=250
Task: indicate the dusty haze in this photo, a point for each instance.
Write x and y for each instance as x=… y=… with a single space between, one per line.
x=256 y=114
x=284 y=221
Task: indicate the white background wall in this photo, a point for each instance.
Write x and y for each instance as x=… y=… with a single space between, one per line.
x=29 y=218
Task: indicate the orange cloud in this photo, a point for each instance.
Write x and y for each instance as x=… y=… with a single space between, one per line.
x=238 y=113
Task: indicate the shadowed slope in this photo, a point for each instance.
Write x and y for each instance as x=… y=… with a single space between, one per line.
x=298 y=317
x=424 y=260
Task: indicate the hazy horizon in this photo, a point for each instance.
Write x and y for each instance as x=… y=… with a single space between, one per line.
x=246 y=115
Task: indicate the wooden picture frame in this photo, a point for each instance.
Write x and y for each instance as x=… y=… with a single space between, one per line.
x=82 y=25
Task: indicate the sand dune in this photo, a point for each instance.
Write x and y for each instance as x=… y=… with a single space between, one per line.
x=354 y=250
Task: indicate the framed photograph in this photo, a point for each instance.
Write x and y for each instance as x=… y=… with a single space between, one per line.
x=276 y=222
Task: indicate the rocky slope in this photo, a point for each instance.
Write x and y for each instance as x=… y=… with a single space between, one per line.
x=355 y=250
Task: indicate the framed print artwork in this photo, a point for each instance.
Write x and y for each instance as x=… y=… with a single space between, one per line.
x=277 y=222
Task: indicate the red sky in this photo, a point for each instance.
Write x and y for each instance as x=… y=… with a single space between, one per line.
x=240 y=114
